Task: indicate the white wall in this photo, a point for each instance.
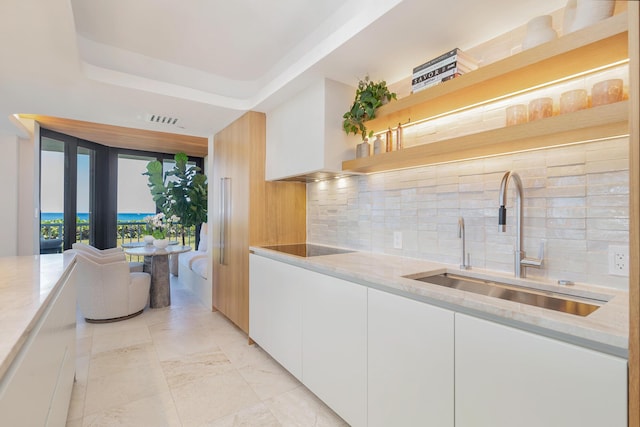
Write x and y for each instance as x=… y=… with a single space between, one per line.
x=9 y=179
x=29 y=198
x=576 y=200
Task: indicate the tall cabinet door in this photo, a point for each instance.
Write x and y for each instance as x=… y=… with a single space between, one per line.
x=230 y=223
x=247 y=211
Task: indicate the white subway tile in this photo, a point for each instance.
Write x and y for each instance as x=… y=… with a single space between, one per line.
x=575 y=197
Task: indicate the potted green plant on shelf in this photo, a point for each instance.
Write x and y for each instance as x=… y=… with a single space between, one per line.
x=369 y=97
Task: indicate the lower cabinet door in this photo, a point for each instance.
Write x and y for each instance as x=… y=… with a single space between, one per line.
x=275 y=310
x=411 y=355
x=334 y=344
x=506 y=377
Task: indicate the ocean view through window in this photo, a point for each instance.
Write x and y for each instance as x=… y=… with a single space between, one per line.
x=94 y=194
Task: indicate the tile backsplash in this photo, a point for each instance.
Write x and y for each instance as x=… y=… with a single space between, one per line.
x=576 y=202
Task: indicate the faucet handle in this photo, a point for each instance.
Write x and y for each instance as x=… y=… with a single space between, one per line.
x=534 y=262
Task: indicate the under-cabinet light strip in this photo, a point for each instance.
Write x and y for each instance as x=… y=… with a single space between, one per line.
x=506 y=153
x=512 y=94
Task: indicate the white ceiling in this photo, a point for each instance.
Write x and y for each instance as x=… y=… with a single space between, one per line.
x=208 y=61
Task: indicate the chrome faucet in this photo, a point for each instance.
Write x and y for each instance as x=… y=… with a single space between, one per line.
x=463 y=265
x=520 y=260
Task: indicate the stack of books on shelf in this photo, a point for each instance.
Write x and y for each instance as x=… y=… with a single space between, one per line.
x=445 y=67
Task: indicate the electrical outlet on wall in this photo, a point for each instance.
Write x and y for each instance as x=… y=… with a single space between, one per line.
x=397 y=240
x=619 y=260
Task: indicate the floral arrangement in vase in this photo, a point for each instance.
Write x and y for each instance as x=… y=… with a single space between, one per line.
x=160 y=225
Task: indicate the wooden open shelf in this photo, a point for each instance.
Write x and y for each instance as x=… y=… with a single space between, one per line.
x=599 y=45
x=593 y=123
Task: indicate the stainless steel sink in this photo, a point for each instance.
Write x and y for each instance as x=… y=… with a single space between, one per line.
x=567 y=303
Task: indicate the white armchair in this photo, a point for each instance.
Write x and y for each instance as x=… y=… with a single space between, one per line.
x=113 y=254
x=107 y=290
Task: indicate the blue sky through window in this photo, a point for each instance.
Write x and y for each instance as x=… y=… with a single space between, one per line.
x=133 y=193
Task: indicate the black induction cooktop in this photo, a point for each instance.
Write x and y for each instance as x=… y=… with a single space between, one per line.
x=307 y=250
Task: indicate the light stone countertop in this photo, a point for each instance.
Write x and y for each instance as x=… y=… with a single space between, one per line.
x=27 y=284
x=606 y=329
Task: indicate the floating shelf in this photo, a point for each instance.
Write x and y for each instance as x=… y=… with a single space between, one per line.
x=590 y=124
x=599 y=45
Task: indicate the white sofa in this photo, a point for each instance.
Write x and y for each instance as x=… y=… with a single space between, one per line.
x=193 y=269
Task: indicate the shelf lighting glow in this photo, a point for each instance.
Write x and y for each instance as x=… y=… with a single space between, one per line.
x=512 y=94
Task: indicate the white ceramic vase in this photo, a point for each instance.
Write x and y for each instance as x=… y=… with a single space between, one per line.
x=582 y=13
x=148 y=239
x=539 y=30
x=363 y=149
x=161 y=243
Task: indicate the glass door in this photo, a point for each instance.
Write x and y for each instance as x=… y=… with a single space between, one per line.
x=134 y=198
x=52 y=165
x=85 y=195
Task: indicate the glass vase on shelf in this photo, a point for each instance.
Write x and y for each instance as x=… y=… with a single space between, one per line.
x=378 y=145
x=399 y=137
x=389 y=138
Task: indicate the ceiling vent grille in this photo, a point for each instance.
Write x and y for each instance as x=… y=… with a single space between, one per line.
x=163 y=120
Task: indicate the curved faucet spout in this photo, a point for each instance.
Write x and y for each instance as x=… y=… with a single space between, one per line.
x=502 y=216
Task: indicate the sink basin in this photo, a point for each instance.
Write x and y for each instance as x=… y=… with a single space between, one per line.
x=566 y=303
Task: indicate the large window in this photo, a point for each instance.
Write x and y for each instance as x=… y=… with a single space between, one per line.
x=92 y=193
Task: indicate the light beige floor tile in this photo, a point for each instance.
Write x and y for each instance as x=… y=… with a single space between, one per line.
x=168 y=315
x=114 y=361
x=212 y=397
x=182 y=371
x=150 y=411
x=268 y=378
x=124 y=386
x=242 y=354
x=173 y=344
x=255 y=416
x=110 y=341
x=179 y=324
x=300 y=407
x=216 y=378
x=74 y=423
x=119 y=326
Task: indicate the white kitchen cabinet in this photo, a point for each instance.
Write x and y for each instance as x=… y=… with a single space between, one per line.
x=36 y=390
x=410 y=362
x=275 y=310
x=334 y=344
x=304 y=133
x=507 y=377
